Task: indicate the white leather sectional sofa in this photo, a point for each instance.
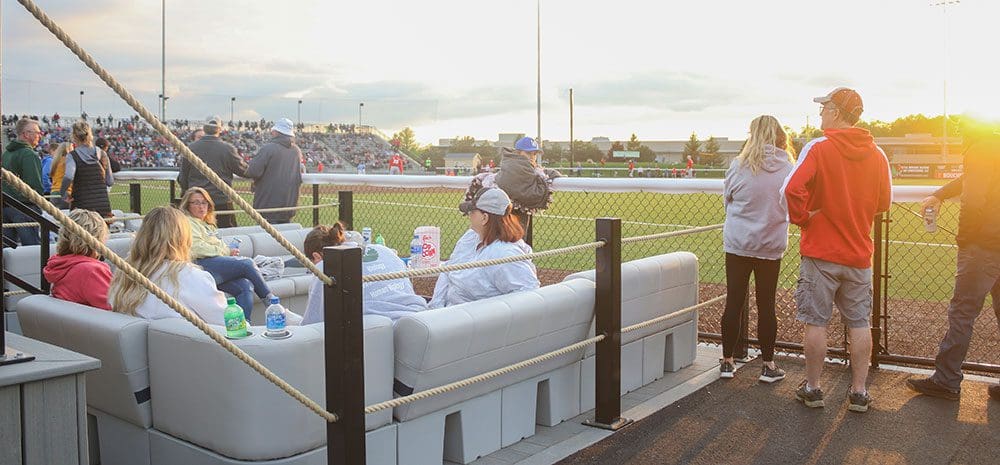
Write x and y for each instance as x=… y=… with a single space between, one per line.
x=203 y=406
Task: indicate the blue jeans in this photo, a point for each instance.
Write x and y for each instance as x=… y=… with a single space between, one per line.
x=26 y=235
x=978 y=274
x=238 y=277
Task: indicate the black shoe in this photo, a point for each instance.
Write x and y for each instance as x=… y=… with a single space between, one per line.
x=994 y=391
x=726 y=370
x=812 y=398
x=858 y=401
x=929 y=387
x=770 y=375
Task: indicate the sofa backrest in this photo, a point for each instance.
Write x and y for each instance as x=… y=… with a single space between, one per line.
x=23 y=263
x=256 y=229
x=121 y=386
x=654 y=286
x=440 y=346
x=206 y=396
x=264 y=244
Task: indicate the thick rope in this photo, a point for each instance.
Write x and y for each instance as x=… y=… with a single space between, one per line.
x=480 y=264
x=650 y=237
x=480 y=378
x=17 y=292
x=662 y=318
x=124 y=267
x=189 y=157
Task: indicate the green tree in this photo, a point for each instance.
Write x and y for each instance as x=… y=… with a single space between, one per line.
x=633 y=143
x=692 y=148
x=646 y=154
x=710 y=153
x=407 y=141
x=436 y=154
x=616 y=146
x=586 y=151
x=554 y=153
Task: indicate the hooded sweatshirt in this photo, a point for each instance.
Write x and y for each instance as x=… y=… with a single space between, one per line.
x=80 y=279
x=277 y=174
x=842 y=178
x=21 y=160
x=756 y=214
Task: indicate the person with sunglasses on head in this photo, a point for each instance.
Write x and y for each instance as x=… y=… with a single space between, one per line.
x=494 y=232
x=21 y=159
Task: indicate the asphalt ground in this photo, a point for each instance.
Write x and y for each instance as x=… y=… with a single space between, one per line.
x=742 y=421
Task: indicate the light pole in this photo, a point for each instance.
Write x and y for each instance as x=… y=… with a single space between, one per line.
x=360 y=106
x=538 y=99
x=232 y=109
x=163 y=109
x=163 y=59
x=300 y=113
x=944 y=80
x=81 y=103
x=571 y=158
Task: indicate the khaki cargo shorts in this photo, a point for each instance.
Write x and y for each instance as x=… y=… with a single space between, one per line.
x=823 y=283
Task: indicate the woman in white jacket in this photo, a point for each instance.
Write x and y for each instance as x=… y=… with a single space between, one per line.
x=162 y=251
x=494 y=232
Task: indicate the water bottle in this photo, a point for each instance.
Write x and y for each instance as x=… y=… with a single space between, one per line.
x=366 y=233
x=236 y=321
x=275 y=316
x=930 y=219
x=416 y=252
x=234 y=244
x=379 y=239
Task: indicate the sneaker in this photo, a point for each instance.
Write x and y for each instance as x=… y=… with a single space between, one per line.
x=929 y=387
x=726 y=370
x=812 y=398
x=858 y=401
x=770 y=375
x=994 y=391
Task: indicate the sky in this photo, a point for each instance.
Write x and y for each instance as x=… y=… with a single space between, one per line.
x=447 y=68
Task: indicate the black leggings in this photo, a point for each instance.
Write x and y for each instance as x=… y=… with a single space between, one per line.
x=765 y=273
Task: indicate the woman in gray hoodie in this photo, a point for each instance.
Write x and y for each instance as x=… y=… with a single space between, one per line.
x=754 y=237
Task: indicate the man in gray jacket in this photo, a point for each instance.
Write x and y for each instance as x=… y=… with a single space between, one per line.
x=222 y=158
x=277 y=173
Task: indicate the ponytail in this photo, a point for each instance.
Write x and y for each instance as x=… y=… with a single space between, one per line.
x=323 y=236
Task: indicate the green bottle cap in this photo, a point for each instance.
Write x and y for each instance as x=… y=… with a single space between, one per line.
x=231 y=300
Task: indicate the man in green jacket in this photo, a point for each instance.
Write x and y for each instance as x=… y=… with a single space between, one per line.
x=21 y=159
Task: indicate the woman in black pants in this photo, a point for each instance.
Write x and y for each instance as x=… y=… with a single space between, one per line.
x=755 y=237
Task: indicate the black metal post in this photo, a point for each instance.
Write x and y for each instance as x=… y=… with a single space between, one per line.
x=315 y=189
x=608 y=309
x=135 y=197
x=345 y=208
x=344 y=348
x=529 y=231
x=877 y=291
x=43 y=256
x=8 y=355
x=173 y=191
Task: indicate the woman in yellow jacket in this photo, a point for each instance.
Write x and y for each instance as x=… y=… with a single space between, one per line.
x=234 y=275
x=58 y=170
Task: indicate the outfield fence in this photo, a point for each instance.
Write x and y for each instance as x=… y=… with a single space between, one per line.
x=913 y=274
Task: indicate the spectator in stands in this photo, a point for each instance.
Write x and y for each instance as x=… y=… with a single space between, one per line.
x=393 y=299
x=222 y=158
x=88 y=172
x=50 y=149
x=234 y=275
x=978 y=258
x=494 y=232
x=162 y=251
x=834 y=191
x=104 y=145
x=197 y=134
x=21 y=159
x=58 y=168
x=754 y=237
x=76 y=272
x=277 y=173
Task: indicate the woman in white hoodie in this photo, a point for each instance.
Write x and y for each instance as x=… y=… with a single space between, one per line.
x=755 y=236
x=162 y=251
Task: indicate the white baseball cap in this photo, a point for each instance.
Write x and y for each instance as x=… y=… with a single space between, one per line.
x=284 y=126
x=490 y=200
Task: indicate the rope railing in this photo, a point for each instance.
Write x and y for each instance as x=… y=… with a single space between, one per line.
x=124 y=267
x=662 y=318
x=136 y=216
x=180 y=147
x=480 y=264
x=15 y=292
x=650 y=237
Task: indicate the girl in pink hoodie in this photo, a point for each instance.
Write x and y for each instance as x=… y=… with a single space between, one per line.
x=75 y=272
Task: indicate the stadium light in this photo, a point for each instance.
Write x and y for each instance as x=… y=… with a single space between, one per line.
x=81 y=103
x=300 y=112
x=232 y=109
x=360 y=106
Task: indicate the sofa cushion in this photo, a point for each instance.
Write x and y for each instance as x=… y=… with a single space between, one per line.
x=245 y=230
x=264 y=244
x=121 y=386
x=206 y=396
x=443 y=345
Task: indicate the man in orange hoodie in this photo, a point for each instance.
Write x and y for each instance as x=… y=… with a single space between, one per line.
x=840 y=182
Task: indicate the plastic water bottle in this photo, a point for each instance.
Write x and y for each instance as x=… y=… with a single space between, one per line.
x=366 y=233
x=416 y=252
x=236 y=321
x=930 y=219
x=234 y=244
x=275 y=316
x=379 y=239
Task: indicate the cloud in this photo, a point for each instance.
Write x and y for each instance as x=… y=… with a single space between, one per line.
x=664 y=91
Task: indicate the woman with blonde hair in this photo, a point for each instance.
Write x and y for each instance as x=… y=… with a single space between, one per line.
x=755 y=236
x=56 y=171
x=76 y=273
x=234 y=275
x=162 y=251
x=88 y=172
x=494 y=232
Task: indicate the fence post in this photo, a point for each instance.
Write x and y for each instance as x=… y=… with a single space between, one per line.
x=344 y=348
x=876 y=324
x=315 y=189
x=135 y=197
x=608 y=309
x=44 y=253
x=345 y=208
x=173 y=191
